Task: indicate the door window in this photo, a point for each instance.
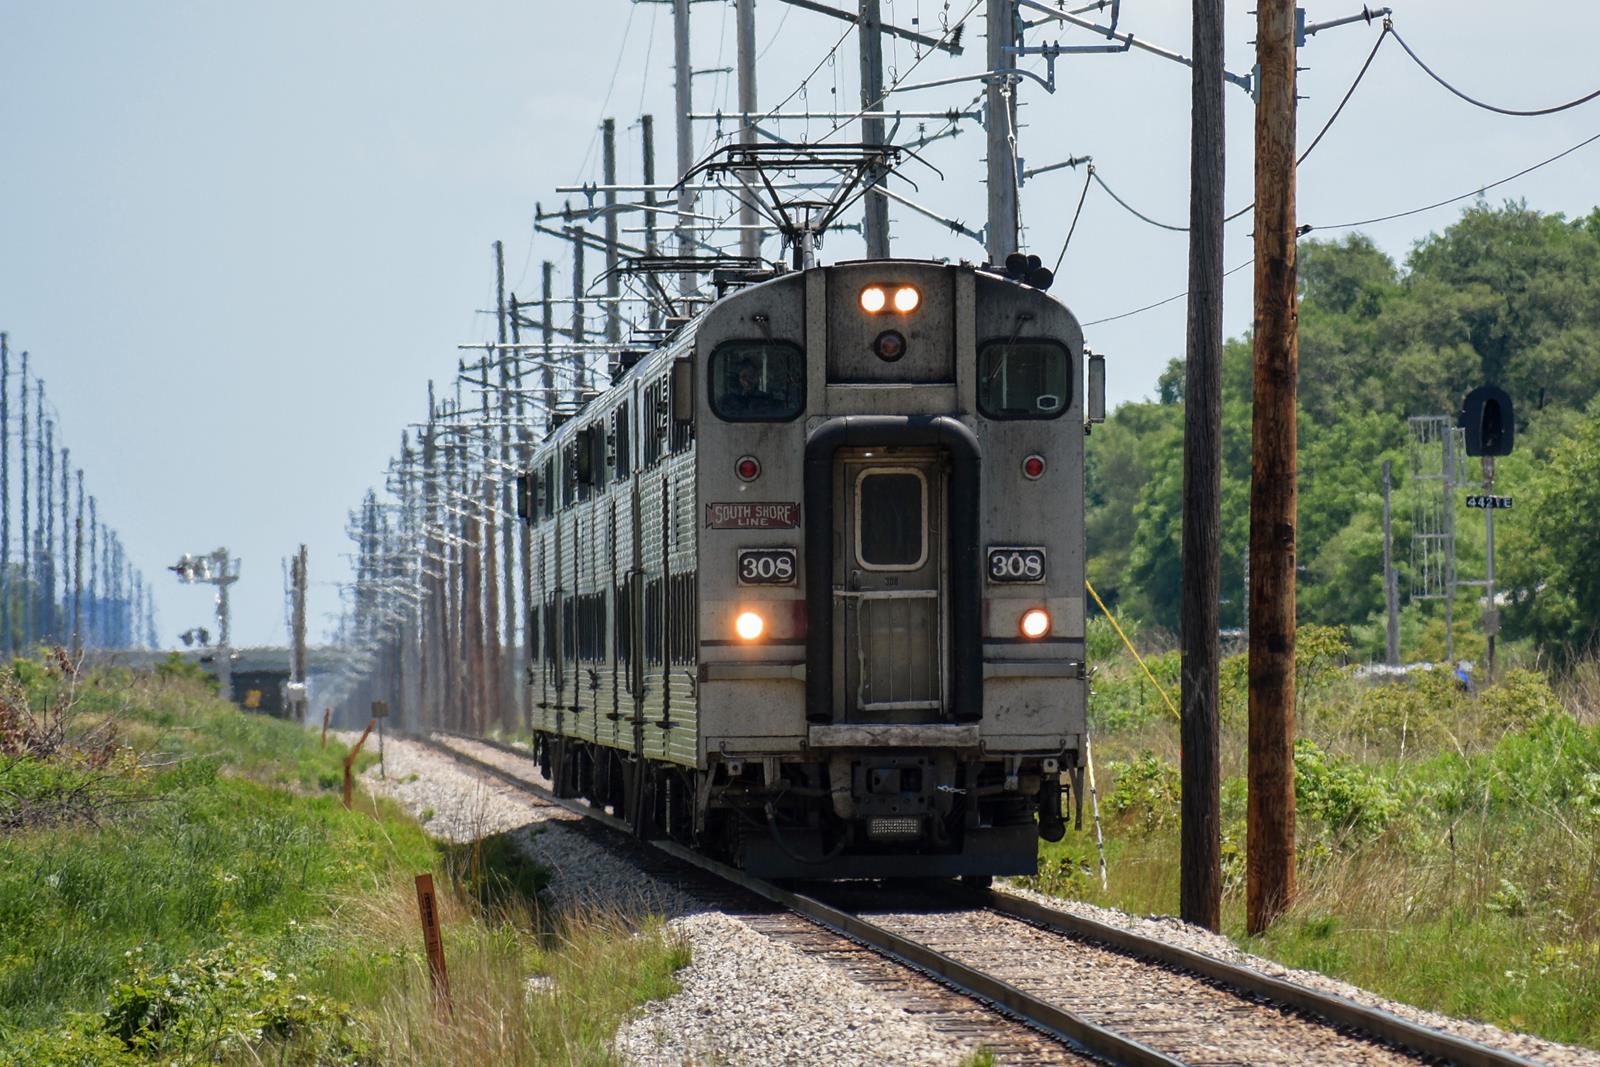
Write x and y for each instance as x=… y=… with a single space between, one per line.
x=891 y=519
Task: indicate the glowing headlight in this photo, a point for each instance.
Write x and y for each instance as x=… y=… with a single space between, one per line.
x=1035 y=623
x=873 y=298
x=906 y=299
x=749 y=626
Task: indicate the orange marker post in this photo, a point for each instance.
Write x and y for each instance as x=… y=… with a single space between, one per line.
x=433 y=941
x=349 y=760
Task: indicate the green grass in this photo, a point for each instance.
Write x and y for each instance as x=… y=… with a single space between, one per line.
x=203 y=896
x=1448 y=843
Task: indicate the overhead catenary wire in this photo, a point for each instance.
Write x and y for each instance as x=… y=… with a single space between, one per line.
x=1475 y=102
x=1082 y=196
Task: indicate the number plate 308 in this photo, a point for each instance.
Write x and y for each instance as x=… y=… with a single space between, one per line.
x=1012 y=563
x=768 y=566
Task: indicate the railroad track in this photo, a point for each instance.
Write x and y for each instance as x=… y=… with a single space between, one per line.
x=1099 y=990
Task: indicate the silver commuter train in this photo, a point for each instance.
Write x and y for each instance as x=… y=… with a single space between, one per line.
x=808 y=578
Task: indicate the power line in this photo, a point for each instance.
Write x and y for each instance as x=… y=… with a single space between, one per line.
x=1369 y=222
x=1326 y=126
x=1456 y=199
x=1168 y=300
x=1479 y=103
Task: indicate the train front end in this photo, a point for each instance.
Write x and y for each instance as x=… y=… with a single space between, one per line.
x=890 y=495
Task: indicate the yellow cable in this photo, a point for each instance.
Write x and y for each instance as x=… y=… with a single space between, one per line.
x=1113 y=620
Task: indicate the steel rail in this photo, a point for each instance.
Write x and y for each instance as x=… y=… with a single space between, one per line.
x=1073 y=1029
x=1335 y=1009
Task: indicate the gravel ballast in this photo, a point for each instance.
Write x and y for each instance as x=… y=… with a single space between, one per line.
x=745 y=998
x=749 y=999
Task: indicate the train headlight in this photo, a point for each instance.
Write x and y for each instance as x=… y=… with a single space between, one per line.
x=749 y=626
x=873 y=299
x=906 y=299
x=1035 y=623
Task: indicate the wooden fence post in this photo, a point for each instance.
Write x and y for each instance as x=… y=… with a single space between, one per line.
x=433 y=941
x=350 y=759
x=326 y=713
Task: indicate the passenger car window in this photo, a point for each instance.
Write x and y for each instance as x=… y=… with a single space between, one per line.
x=1024 y=379
x=758 y=381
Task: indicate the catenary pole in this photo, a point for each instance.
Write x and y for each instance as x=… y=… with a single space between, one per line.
x=25 y=607
x=745 y=17
x=1270 y=869
x=5 y=498
x=494 y=706
x=547 y=324
x=68 y=633
x=47 y=523
x=524 y=538
x=507 y=515
x=96 y=616
x=870 y=37
x=683 y=100
x=77 y=576
x=580 y=366
x=1491 y=613
x=1000 y=236
x=608 y=167
x=647 y=134
x=1391 y=592
x=1201 y=846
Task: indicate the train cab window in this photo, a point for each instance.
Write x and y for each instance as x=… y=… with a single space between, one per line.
x=1029 y=379
x=758 y=381
x=548 y=492
x=891 y=519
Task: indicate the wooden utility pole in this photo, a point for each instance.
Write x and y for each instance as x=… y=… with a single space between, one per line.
x=1200 y=891
x=999 y=119
x=870 y=36
x=1269 y=886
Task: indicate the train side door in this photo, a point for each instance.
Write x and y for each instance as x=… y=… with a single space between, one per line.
x=890 y=588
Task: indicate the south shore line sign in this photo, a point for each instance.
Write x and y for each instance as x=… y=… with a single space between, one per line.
x=750 y=516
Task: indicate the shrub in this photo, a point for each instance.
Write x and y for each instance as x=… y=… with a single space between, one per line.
x=1147 y=790
x=1346 y=800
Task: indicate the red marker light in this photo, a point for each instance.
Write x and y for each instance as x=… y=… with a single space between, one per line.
x=748 y=468
x=1033 y=466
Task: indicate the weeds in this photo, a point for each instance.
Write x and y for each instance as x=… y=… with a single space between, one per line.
x=1448 y=841
x=243 y=916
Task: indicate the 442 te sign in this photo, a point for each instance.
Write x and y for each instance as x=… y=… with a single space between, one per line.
x=1483 y=500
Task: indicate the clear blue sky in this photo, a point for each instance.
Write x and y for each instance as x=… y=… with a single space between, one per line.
x=239 y=239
